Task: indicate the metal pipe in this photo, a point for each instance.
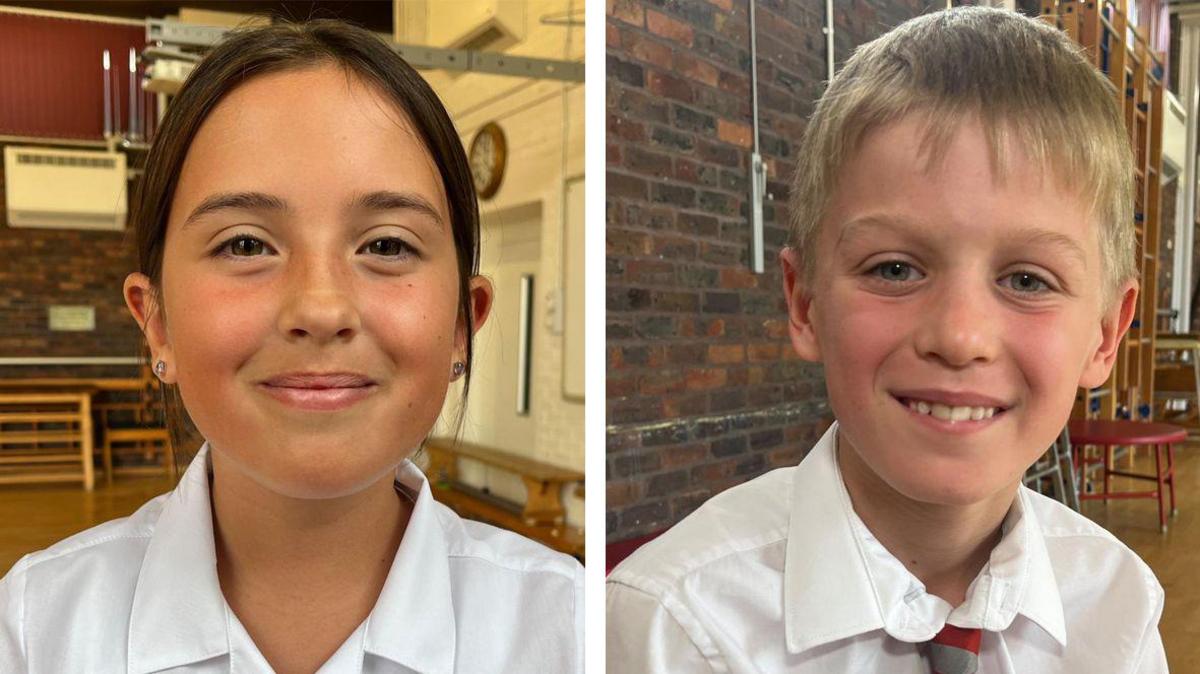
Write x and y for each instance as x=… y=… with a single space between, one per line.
x=754 y=74
x=116 y=102
x=107 y=97
x=133 y=121
x=758 y=173
x=829 y=55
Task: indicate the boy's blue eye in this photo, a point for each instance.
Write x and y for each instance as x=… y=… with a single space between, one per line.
x=1026 y=282
x=893 y=270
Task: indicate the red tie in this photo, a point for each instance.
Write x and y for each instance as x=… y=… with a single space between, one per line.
x=955 y=650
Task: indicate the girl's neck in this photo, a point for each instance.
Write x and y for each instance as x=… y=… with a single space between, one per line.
x=944 y=546
x=269 y=544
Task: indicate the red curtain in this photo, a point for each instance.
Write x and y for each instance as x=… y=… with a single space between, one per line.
x=51 y=76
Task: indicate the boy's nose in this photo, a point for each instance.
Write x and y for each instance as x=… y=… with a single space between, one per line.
x=319 y=302
x=958 y=327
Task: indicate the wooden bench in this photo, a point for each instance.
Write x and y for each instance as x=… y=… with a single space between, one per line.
x=32 y=452
x=140 y=435
x=541 y=517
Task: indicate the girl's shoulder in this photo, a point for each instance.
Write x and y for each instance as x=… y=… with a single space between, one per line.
x=468 y=541
x=133 y=530
x=106 y=548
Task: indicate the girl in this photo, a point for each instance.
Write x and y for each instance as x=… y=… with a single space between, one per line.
x=307 y=232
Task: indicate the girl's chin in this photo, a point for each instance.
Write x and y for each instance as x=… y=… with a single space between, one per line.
x=317 y=476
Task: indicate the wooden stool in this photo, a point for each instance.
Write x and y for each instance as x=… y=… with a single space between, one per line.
x=1119 y=432
x=159 y=437
x=147 y=429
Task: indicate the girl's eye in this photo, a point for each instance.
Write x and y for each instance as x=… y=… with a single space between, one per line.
x=1027 y=283
x=391 y=247
x=243 y=245
x=894 y=271
x=240 y=245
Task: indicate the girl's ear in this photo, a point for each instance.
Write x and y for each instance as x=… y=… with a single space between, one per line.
x=479 y=290
x=799 y=305
x=1114 y=323
x=143 y=303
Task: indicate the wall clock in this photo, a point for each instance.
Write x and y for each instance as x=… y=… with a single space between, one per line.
x=489 y=153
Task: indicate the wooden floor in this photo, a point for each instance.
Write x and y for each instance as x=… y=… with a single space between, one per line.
x=1174 y=556
x=33 y=517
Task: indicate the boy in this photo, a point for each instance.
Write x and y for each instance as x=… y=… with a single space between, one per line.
x=961 y=262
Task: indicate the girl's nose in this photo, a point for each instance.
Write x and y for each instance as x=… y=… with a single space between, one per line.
x=959 y=325
x=319 y=302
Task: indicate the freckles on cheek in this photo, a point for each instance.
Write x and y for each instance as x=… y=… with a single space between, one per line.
x=414 y=315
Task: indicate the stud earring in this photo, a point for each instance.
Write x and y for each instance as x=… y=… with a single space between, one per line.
x=458 y=369
x=160 y=368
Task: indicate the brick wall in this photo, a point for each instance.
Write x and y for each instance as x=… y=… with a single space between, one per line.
x=704 y=391
x=41 y=267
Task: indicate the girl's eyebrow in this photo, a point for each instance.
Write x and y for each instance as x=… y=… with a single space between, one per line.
x=379 y=200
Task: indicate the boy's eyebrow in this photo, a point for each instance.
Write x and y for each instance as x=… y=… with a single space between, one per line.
x=379 y=200
x=1047 y=238
x=1031 y=235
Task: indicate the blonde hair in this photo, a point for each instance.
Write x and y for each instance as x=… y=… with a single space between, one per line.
x=1023 y=79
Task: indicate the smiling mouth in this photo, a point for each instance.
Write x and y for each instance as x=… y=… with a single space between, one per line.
x=950 y=413
x=322 y=399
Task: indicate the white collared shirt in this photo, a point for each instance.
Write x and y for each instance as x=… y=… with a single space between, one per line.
x=780 y=575
x=140 y=594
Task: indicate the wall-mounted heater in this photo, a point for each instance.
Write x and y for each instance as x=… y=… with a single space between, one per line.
x=64 y=189
x=476 y=25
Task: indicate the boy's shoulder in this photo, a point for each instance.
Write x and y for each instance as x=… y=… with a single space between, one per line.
x=1070 y=537
x=743 y=525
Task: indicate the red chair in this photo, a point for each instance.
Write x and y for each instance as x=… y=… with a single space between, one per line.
x=1108 y=434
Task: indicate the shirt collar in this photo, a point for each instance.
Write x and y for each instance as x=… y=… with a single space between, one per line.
x=826 y=539
x=413 y=620
x=179 y=614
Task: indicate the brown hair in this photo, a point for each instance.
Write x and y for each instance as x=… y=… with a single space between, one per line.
x=1025 y=80
x=248 y=52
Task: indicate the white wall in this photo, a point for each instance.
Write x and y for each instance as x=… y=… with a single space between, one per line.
x=531 y=113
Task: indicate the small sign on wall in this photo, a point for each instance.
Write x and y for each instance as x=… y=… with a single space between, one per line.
x=72 y=318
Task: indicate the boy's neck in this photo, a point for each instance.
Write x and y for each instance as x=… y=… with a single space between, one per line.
x=944 y=546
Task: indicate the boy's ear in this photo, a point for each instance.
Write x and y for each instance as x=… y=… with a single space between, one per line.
x=799 y=305
x=143 y=303
x=1114 y=323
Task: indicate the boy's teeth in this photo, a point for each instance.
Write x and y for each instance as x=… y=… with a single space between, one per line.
x=952 y=414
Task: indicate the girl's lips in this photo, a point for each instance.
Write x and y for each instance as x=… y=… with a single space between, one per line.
x=319 y=399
